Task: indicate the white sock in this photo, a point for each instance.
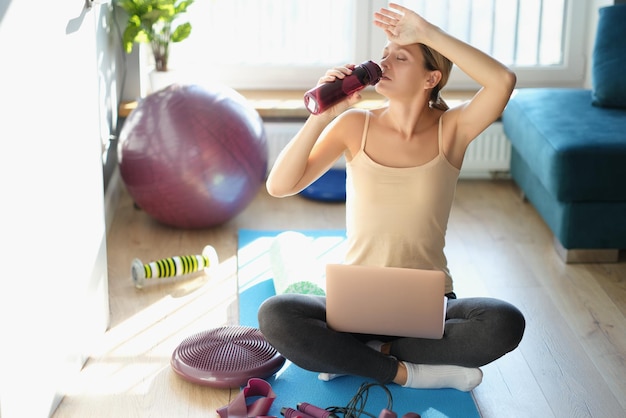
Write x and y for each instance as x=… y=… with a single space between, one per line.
x=327 y=377
x=427 y=376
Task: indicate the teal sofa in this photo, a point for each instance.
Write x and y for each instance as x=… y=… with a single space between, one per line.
x=569 y=150
x=569 y=159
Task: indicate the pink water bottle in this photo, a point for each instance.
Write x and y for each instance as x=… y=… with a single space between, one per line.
x=321 y=97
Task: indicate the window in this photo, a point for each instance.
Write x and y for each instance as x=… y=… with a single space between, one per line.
x=273 y=43
x=290 y=43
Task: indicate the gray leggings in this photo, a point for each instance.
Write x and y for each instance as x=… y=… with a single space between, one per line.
x=477 y=331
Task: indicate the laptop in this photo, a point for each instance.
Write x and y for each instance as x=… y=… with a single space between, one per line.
x=391 y=301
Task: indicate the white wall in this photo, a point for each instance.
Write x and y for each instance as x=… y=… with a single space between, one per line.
x=53 y=285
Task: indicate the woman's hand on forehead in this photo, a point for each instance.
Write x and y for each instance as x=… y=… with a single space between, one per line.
x=401 y=25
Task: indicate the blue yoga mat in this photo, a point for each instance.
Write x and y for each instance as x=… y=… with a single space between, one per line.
x=293 y=384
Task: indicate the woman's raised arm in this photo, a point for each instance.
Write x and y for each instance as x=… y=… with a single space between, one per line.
x=313 y=150
x=496 y=81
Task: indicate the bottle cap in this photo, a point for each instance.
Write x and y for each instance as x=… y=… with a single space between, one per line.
x=373 y=71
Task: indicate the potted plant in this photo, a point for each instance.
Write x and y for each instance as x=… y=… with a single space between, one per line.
x=153 y=22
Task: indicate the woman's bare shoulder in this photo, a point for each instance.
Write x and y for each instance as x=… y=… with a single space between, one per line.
x=348 y=129
x=348 y=123
x=354 y=115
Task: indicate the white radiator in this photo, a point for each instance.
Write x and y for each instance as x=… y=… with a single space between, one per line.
x=486 y=157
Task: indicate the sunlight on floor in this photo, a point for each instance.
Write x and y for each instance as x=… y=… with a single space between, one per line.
x=255 y=258
x=133 y=353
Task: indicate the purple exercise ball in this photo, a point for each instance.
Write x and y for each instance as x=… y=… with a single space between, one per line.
x=193 y=157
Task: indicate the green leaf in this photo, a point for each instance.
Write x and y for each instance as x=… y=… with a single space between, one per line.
x=134 y=21
x=170 y=10
x=183 y=5
x=151 y=17
x=130 y=36
x=134 y=7
x=150 y=20
x=181 y=32
x=143 y=37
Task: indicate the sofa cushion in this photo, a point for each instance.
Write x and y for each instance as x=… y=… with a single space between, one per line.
x=609 y=58
x=576 y=150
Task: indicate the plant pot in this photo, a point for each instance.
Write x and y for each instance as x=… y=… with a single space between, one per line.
x=162 y=79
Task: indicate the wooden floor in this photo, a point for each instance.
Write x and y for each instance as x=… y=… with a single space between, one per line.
x=571 y=362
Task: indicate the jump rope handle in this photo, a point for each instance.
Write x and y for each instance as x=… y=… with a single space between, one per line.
x=315 y=411
x=173 y=266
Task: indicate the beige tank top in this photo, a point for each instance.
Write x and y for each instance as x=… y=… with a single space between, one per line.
x=397 y=217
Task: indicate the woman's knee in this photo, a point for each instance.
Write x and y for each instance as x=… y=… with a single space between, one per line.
x=271 y=315
x=511 y=325
x=501 y=318
x=497 y=328
x=285 y=314
x=269 y=308
x=506 y=328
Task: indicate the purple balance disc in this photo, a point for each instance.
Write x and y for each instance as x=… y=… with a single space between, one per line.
x=226 y=357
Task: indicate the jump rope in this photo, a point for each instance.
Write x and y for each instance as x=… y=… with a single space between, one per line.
x=354 y=409
x=356 y=405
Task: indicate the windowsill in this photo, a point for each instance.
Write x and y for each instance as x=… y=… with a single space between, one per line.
x=289 y=104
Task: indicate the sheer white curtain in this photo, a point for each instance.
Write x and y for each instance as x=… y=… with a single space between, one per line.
x=281 y=44
x=269 y=43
